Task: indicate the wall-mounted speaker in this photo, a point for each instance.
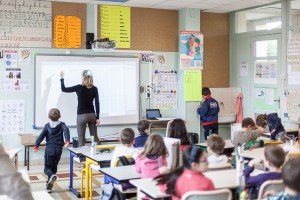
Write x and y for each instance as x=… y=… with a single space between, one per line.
x=89 y=40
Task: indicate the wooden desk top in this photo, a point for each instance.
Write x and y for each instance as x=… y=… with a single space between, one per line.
x=123 y=173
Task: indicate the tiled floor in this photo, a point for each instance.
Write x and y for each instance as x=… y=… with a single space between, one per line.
x=61 y=186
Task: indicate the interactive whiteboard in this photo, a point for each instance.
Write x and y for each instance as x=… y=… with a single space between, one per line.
x=117 y=80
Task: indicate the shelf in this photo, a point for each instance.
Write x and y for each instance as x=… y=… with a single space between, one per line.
x=119 y=51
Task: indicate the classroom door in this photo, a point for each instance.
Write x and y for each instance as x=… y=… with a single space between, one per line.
x=266 y=70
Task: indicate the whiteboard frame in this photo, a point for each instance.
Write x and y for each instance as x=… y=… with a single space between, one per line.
x=47 y=57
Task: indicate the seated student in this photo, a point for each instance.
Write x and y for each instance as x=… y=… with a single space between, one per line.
x=126 y=149
x=178 y=130
x=152 y=158
x=215 y=146
x=273 y=123
x=291 y=177
x=189 y=176
x=11 y=182
x=274 y=157
x=248 y=133
x=143 y=129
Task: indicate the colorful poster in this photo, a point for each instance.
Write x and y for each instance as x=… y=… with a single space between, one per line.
x=265 y=72
x=67 y=32
x=13 y=73
x=24 y=56
x=115 y=24
x=165 y=89
x=191 y=50
x=21 y=85
x=192 y=85
x=161 y=60
x=11 y=58
x=12 y=116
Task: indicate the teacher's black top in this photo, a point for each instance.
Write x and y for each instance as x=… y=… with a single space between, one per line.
x=85 y=97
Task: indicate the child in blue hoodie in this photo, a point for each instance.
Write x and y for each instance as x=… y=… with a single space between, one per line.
x=208 y=112
x=54 y=132
x=275 y=127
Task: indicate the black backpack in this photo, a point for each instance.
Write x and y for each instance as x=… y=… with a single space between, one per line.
x=194 y=137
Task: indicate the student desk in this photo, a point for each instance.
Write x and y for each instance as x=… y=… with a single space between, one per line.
x=221 y=179
x=96 y=159
x=37 y=195
x=13 y=155
x=159 y=124
x=122 y=174
x=28 y=145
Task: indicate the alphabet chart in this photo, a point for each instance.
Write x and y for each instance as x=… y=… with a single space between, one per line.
x=165 y=89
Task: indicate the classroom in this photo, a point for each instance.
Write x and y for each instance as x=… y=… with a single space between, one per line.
x=145 y=58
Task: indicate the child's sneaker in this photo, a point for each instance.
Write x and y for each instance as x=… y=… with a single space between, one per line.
x=51 y=182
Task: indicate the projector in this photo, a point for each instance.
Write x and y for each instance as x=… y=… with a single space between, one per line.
x=103 y=43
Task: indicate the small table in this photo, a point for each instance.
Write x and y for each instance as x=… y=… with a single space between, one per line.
x=13 y=155
x=28 y=145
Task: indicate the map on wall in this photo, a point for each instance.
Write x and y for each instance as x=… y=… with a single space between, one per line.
x=191 y=50
x=25 y=23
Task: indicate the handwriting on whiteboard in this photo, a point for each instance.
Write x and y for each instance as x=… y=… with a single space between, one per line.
x=25 y=23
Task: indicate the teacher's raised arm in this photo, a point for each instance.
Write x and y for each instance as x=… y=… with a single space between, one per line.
x=87 y=93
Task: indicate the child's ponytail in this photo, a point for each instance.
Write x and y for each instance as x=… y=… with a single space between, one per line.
x=190 y=155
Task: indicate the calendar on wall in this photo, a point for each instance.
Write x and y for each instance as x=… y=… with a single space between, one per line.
x=165 y=89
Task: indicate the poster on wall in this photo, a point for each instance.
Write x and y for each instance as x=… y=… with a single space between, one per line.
x=191 y=50
x=244 y=69
x=11 y=58
x=292 y=105
x=265 y=72
x=24 y=56
x=25 y=23
x=147 y=58
x=161 y=60
x=12 y=116
x=165 y=89
x=293 y=60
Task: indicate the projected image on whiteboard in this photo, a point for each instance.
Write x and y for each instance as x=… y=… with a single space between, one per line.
x=116 y=79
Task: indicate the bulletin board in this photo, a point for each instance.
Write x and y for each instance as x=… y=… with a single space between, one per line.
x=152 y=29
x=71 y=9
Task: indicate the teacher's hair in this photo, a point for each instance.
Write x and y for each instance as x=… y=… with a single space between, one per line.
x=87 y=81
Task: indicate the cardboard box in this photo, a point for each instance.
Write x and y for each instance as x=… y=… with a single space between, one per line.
x=27 y=138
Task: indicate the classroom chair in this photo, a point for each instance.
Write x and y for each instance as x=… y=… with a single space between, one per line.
x=220 y=167
x=101 y=149
x=124 y=161
x=173 y=147
x=272 y=142
x=224 y=194
x=270 y=187
x=293 y=155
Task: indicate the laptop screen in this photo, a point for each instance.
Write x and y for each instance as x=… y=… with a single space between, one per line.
x=153 y=113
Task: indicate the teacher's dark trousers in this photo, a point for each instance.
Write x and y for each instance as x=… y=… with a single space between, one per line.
x=83 y=120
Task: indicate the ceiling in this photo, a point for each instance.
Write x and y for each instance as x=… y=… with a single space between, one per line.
x=214 y=6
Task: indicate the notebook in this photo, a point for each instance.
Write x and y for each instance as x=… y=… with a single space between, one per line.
x=153 y=114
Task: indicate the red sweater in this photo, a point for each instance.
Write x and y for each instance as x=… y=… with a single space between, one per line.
x=189 y=181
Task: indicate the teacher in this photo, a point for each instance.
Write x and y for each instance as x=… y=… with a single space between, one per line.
x=86 y=115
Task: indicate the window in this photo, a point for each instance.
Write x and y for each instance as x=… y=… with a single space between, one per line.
x=262 y=18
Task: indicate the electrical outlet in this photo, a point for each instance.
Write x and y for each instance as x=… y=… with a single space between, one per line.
x=148 y=92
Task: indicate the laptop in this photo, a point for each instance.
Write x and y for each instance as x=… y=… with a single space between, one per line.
x=153 y=114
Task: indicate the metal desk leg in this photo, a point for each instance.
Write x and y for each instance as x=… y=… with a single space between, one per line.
x=27 y=161
x=25 y=155
x=72 y=155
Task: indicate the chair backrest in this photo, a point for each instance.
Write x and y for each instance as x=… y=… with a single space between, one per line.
x=173 y=147
x=293 y=154
x=270 y=187
x=123 y=161
x=224 y=194
x=105 y=148
x=220 y=167
x=168 y=128
x=272 y=142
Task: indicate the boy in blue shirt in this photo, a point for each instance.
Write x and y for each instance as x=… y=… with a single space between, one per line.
x=143 y=129
x=274 y=159
x=208 y=112
x=53 y=131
